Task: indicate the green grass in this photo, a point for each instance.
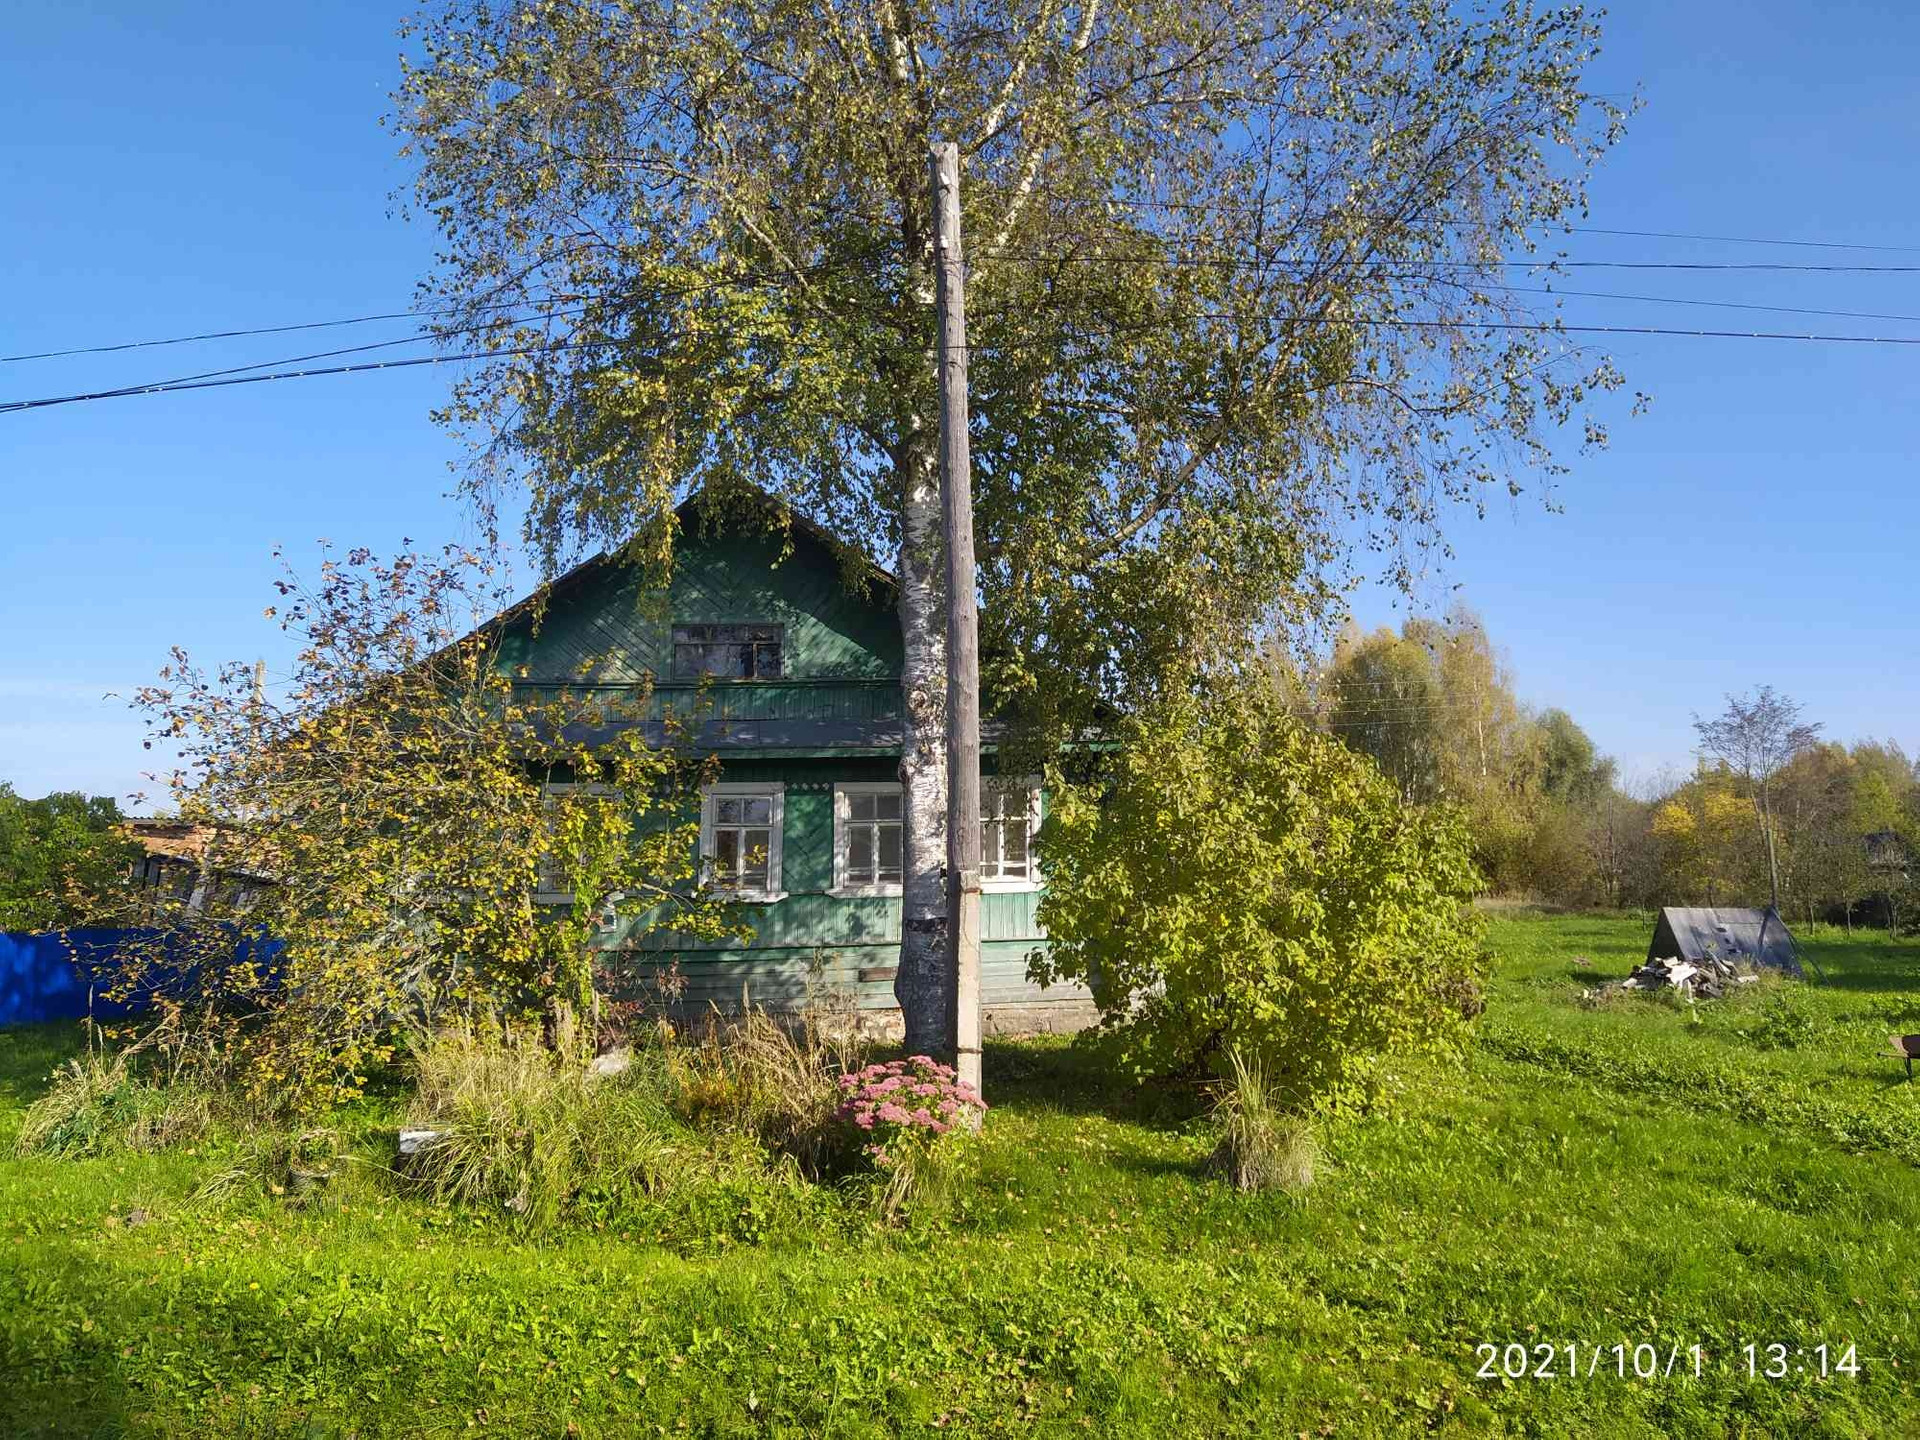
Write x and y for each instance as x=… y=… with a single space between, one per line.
x=1593 y=1175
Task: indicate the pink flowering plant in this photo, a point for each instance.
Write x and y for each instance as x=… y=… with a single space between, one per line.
x=901 y=1108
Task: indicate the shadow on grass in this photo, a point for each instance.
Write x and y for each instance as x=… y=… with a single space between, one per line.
x=1075 y=1079
x=30 y=1053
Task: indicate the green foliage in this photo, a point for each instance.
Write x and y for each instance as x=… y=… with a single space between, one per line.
x=771 y=1080
x=101 y=1105
x=1234 y=881
x=59 y=856
x=1093 y=1281
x=1163 y=449
x=529 y=1134
x=1784 y=1025
x=1262 y=1146
x=424 y=841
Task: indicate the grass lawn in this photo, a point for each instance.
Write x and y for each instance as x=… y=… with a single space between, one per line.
x=1624 y=1173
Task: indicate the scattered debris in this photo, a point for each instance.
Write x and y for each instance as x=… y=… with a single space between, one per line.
x=1710 y=978
x=412 y=1142
x=614 y=1062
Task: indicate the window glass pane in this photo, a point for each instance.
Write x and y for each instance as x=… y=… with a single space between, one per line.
x=728 y=811
x=1014 y=850
x=889 y=807
x=890 y=854
x=726 y=852
x=860 y=854
x=757 y=811
x=767 y=665
x=990 y=848
x=860 y=807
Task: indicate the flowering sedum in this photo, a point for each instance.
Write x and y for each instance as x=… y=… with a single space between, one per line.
x=902 y=1103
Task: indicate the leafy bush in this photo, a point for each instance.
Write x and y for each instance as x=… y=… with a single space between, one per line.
x=913 y=1116
x=527 y=1133
x=98 y=1105
x=1261 y=1147
x=1231 y=880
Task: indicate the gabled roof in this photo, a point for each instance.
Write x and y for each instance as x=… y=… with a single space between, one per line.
x=1742 y=935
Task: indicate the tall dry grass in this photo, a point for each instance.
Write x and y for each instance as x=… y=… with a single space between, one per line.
x=1261 y=1146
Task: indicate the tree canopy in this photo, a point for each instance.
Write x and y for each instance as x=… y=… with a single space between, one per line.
x=1238 y=290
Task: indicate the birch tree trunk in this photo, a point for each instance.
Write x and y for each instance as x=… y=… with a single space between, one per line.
x=924 y=982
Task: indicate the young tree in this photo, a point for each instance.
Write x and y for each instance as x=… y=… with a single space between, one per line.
x=1229 y=880
x=1235 y=278
x=401 y=835
x=1754 y=736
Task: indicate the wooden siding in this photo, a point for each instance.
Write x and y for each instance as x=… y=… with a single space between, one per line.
x=607 y=626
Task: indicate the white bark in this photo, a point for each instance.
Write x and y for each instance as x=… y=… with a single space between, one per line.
x=924 y=982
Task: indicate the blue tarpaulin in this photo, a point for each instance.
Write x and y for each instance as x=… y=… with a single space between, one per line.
x=47 y=977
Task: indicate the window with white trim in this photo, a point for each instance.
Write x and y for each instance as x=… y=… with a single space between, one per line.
x=740 y=838
x=1009 y=816
x=866 y=838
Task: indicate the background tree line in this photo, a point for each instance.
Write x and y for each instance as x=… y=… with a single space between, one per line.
x=1434 y=705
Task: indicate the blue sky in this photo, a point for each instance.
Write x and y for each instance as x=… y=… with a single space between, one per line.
x=173 y=168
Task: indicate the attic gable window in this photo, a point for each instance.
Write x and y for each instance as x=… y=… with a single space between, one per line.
x=727 y=652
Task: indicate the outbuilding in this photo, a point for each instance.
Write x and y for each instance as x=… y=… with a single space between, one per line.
x=1696 y=933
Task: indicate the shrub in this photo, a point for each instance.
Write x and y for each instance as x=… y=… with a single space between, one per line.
x=779 y=1083
x=1231 y=880
x=98 y=1105
x=527 y=1133
x=913 y=1116
x=1261 y=1147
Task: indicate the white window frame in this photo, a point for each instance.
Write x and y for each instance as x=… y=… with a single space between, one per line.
x=542 y=896
x=843 y=791
x=771 y=790
x=1032 y=880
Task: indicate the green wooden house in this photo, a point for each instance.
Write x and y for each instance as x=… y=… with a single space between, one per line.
x=791 y=677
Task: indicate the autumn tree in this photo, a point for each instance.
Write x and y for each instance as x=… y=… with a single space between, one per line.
x=1236 y=278
x=399 y=836
x=1754 y=736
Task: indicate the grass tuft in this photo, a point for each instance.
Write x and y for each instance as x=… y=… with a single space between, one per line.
x=523 y=1134
x=1261 y=1147
x=97 y=1105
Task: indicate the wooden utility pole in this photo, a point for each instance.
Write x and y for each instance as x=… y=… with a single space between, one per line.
x=963 y=631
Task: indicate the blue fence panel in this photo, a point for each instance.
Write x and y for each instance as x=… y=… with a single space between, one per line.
x=47 y=977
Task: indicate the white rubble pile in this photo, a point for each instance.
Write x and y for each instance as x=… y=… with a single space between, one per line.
x=1710 y=978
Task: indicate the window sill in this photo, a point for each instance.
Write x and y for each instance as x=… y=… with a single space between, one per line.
x=750 y=897
x=1010 y=887
x=865 y=892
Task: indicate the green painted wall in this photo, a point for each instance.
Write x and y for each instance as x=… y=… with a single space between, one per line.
x=841 y=661
x=836 y=939
x=605 y=625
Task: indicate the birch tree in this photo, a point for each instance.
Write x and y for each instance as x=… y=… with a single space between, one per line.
x=1754 y=736
x=1240 y=287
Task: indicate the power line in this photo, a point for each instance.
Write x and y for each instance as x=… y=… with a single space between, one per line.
x=175 y=386
x=781 y=276
x=1260 y=207
x=241 y=334
x=1248 y=262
